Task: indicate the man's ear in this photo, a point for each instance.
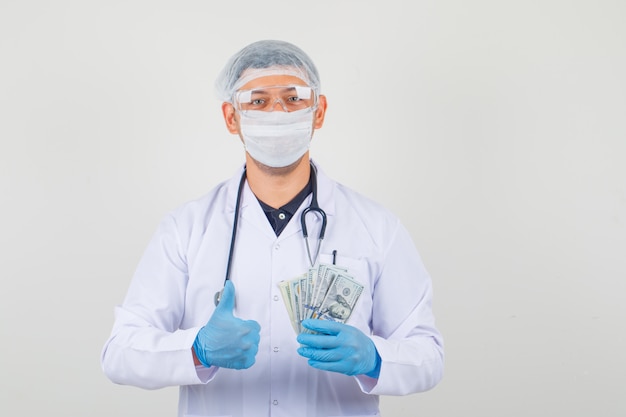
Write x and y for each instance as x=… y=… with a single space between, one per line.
x=318 y=122
x=229 y=113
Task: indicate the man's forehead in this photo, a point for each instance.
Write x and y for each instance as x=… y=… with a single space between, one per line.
x=272 y=80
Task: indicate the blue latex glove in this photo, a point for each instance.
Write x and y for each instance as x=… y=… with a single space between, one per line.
x=339 y=348
x=227 y=341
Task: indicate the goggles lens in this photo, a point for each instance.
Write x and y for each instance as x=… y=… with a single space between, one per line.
x=289 y=97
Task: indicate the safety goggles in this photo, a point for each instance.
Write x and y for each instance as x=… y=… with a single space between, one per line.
x=288 y=98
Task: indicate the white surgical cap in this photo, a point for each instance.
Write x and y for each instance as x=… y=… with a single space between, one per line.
x=262 y=58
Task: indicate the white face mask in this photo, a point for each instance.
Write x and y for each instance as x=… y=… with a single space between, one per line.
x=276 y=138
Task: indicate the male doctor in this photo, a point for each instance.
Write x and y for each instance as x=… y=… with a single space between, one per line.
x=239 y=355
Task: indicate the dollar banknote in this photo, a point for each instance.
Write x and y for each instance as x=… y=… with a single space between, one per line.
x=325 y=292
x=340 y=299
x=285 y=291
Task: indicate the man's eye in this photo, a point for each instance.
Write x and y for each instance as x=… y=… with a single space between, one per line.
x=293 y=99
x=257 y=102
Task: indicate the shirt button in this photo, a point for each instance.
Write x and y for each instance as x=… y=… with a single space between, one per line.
x=275 y=298
x=276 y=349
x=275 y=402
x=282 y=216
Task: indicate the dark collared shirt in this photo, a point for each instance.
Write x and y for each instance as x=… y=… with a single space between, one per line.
x=279 y=217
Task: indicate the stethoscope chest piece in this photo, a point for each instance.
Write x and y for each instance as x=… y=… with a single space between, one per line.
x=217 y=297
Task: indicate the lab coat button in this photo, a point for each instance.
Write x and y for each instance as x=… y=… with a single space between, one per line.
x=275 y=298
x=276 y=349
x=275 y=402
x=277 y=247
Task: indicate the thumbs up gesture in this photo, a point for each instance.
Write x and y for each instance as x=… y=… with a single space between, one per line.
x=227 y=341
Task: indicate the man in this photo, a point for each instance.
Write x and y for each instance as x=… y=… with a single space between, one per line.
x=241 y=357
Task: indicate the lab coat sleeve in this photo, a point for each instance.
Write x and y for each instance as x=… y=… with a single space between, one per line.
x=146 y=347
x=403 y=325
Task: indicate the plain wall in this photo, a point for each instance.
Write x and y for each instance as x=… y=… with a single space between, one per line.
x=496 y=130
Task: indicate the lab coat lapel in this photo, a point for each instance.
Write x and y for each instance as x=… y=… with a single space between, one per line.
x=250 y=211
x=325 y=192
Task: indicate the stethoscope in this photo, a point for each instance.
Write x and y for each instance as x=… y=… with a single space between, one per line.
x=313 y=208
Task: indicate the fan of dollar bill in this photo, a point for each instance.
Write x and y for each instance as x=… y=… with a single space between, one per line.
x=325 y=292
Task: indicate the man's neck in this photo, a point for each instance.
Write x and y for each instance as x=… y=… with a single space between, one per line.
x=277 y=186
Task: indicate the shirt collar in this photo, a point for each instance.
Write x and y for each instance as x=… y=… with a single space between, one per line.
x=325 y=191
x=292 y=206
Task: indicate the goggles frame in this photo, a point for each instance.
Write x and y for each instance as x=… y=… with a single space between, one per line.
x=290 y=97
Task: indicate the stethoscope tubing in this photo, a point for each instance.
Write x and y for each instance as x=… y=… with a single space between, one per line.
x=313 y=208
x=231 y=251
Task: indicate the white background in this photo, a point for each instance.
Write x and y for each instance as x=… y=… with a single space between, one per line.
x=495 y=129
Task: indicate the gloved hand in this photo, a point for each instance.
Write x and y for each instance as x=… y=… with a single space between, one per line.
x=227 y=341
x=339 y=348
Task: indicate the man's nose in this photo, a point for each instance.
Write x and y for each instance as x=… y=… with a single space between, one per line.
x=281 y=106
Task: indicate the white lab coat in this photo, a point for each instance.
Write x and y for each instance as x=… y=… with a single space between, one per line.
x=171 y=297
